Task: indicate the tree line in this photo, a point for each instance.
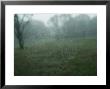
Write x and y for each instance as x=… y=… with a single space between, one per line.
x=60 y=26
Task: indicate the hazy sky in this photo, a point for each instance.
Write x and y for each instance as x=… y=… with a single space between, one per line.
x=46 y=17
x=43 y=17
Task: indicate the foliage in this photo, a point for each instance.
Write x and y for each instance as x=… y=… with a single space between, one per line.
x=60 y=26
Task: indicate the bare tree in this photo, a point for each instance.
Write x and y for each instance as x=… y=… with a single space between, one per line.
x=55 y=21
x=20 y=22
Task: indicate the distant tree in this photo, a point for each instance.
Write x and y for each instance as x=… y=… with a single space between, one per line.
x=36 y=30
x=20 y=22
x=68 y=25
x=55 y=23
x=93 y=26
x=83 y=24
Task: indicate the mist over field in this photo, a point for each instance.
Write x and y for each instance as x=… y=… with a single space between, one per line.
x=55 y=44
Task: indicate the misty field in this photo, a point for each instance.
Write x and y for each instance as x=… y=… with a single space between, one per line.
x=68 y=57
x=55 y=44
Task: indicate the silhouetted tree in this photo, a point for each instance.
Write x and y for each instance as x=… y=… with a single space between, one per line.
x=19 y=25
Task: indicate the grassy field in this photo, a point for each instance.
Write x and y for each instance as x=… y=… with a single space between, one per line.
x=57 y=58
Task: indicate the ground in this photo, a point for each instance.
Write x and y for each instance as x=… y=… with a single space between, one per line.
x=70 y=57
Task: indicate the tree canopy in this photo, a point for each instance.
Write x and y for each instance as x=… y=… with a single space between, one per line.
x=61 y=26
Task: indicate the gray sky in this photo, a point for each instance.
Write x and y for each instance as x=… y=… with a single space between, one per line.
x=43 y=17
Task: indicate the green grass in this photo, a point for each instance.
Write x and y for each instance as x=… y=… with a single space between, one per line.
x=57 y=58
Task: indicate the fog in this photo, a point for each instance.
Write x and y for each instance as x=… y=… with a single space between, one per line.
x=31 y=28
x=55 y=44
x=45 y=17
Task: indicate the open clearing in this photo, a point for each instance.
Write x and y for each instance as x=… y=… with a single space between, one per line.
x=57 y=58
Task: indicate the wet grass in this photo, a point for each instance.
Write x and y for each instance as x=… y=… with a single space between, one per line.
x=57 y=58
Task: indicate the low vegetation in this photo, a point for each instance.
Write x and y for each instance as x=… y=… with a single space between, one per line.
x=68 y=57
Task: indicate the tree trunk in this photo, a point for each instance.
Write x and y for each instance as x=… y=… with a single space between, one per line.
x=21 y=43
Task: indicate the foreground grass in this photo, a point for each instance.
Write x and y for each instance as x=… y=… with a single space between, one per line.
x=57 y=58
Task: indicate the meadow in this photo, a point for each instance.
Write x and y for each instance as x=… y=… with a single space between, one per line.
x=65 y=57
